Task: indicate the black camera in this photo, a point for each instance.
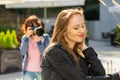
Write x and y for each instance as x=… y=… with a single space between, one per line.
x=38 y=31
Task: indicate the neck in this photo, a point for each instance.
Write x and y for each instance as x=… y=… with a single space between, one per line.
x=70 y=44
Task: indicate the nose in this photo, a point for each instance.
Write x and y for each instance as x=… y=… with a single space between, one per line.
x=81 y=30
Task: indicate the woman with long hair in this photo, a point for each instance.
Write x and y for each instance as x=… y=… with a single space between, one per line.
x=68 y=57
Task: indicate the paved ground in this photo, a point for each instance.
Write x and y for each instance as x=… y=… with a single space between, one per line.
x=109 y=55
x=11 y=76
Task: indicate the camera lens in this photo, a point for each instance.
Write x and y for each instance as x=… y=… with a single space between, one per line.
x=38 y=31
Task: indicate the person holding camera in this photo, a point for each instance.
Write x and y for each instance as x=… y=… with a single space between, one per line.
x=33 y=43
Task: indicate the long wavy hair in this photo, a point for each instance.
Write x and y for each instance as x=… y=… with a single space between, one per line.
x=31 y=21
x=60 y=27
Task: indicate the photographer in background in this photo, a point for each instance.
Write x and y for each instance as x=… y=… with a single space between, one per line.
x=33 y=43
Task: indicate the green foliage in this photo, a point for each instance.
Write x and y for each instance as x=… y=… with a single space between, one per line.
x=116 y=31
x=117 y=39
x=8 y=40
x=2 y=34
x=118 y=36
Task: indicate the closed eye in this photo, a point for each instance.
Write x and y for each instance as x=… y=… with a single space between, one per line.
x=76 y=27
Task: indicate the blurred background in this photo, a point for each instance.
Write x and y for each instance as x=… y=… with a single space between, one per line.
x=102 y=21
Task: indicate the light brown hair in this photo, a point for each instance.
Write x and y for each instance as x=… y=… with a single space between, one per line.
x=60 y=27
x=31 y=21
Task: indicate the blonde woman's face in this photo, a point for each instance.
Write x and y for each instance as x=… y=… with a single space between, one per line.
x=76 y=30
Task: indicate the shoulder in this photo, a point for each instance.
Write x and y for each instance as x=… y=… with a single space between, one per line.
x=45 y=35
x=54 y=50
x=24 y=38
x=56 y=54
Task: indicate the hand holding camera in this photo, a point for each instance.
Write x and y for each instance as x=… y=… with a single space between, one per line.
x=38 y=31
x=29 y=32
x=34 y=31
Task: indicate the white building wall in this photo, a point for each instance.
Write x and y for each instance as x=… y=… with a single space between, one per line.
x=106 y=23
x=95 y=28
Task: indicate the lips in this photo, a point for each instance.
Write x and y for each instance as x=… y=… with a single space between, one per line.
x=81 y=36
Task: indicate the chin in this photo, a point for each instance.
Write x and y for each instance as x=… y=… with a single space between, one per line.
x=79 y=41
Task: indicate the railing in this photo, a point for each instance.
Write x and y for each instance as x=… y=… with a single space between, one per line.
x=111 y=65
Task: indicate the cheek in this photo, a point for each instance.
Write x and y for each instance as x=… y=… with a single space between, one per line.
x=71 y=36
x=85 y=34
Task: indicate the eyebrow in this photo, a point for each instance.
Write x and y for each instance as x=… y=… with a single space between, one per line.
x=80 y=25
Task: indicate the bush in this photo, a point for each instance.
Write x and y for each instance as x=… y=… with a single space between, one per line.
x=116 y=32
x=8 y=40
